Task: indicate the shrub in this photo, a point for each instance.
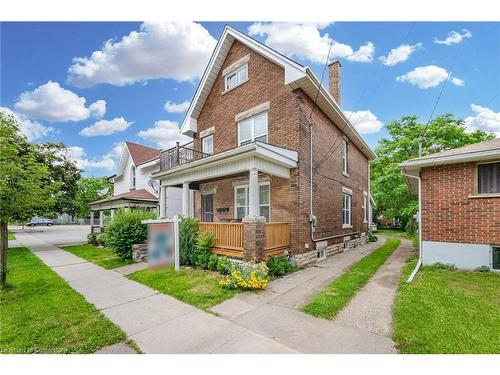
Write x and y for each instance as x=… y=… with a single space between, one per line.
x=247 y=276
x=101 y=239
x=484 y=269
x=279 y=266
x=444 y=266
x=372 y=237
x=125 y=230
x=201 y=253
x=213 y=260
x=92 y=239
x=188 y=230
x=224 y=266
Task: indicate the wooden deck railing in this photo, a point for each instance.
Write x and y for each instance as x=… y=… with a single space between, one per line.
x=277 y=239
x=228 y=238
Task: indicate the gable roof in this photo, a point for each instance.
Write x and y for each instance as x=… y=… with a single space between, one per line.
x=141 y=154
x=482 y=151
x=296 y=76
x=136 y=195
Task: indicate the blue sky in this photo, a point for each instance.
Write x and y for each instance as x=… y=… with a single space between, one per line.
x=56 y=97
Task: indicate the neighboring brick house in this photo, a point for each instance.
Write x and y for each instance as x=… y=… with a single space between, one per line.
x=133 y=186
x=460 y=204
x=250 y=160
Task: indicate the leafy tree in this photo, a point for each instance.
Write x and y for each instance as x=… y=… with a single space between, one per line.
x=24 y=187
x=90 y=189
x=387 y=184
x=63 y=172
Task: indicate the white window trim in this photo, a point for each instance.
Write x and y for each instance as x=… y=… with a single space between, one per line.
x=203 y=144
x=253 y=136
x=232 y=73
x=344 y=194
x=246 y=186
x=133 y=177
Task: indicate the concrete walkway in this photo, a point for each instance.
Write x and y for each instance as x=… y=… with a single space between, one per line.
x=274 y=311
x=156 y=322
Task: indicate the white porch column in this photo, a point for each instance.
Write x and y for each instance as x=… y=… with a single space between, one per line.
x=101 y=218
x=163 y=201
x=185 y=199
x=91 y=218
x=253 y=193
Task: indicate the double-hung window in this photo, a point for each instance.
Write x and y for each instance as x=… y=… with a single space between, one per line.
x=237 y=77
x=207 y=144
x=253 y=129
x=345 y=164
x=132 y=177
x=241 y=200
x=346 y=210
x=488 y=178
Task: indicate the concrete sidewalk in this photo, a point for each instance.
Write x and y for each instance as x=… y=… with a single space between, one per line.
x=274 y=311
x=156 y=322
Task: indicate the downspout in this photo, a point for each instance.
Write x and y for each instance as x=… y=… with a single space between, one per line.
x=419 y=263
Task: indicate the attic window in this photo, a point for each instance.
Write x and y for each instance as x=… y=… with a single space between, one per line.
x=236 y=77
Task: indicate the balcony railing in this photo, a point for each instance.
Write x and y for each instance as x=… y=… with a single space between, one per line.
x=179 y=155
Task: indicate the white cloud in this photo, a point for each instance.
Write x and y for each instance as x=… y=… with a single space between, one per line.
x=78 y=155
x=176 y=50
x=454 y=37
x=399 y=54
x=53 y=103
x=428 y=76
x=484 y=119
x=164 y=134
x=32 y=130
x=365 y=122
x=98 y=109
x=304 y=40
x=176 y=107
x=106 y=127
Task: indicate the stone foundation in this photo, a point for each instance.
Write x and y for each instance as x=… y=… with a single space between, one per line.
x=140 y=252
x=310 y=257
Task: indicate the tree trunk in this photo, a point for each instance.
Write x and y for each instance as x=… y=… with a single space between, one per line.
x=4 y=244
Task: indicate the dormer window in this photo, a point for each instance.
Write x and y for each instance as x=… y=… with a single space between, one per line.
x=132 y=177
x=237 y=77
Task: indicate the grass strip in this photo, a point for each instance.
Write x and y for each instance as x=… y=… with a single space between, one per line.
x=335 y=296
x=101 y=256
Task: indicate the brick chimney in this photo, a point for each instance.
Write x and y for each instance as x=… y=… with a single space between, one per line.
x=334 y=80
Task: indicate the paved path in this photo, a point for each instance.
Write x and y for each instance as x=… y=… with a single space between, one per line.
x=156 y=322
x=274 y=311
x=56 y=234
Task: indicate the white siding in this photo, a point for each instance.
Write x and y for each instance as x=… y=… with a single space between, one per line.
x=462 y=255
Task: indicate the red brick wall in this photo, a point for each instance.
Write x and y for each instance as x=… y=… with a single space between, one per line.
x=448 y=212
x=287 y=128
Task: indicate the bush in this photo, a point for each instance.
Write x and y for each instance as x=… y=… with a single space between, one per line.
x=247 y=276
x=101 y=239
x=484 y=269
x=201 y=253
x=279 y=266
x=213 y=260
x=92 y=239
x=125 y=230
x=188 y=230
x=372 y=237
x=444 y=266
x=224 y=266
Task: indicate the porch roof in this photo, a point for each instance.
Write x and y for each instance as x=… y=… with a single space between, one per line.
x=134 y=198
x=264 y=157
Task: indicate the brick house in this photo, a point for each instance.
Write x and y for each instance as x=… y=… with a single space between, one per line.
x=253 y=122
x=460 y=204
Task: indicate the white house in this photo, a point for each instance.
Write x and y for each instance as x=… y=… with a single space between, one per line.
x=134 y=187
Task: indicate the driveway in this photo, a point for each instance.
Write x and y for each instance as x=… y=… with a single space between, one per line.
x=57 y=234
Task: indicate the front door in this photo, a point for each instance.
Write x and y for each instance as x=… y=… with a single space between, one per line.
x=207 y=207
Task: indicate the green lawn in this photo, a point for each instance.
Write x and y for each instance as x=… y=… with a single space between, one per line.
x=197 y=287
x=103 y=257
x=445 y=311
x=399 y=234
x=10 y=236
x=328 y=303
x=40 y=313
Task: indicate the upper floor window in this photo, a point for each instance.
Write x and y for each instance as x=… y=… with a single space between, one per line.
x=253 y=129
x=207 y=144
x=132 y=177
x=346 y=210
x=488 y=178
x=345 y=164
x=236 y=77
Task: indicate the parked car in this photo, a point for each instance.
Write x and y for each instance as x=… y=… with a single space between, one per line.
x=40 y=221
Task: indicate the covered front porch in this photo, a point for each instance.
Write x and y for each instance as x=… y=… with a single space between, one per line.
x=234 y=197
